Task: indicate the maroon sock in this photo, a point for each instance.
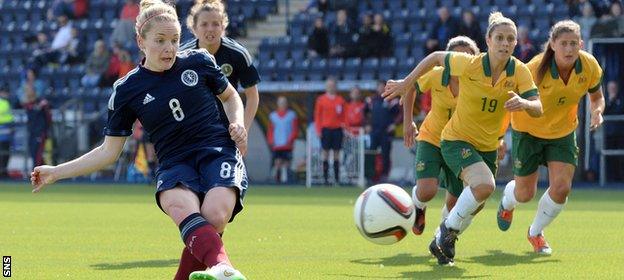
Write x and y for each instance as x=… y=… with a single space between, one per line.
x=188 y=264
x=203 y=241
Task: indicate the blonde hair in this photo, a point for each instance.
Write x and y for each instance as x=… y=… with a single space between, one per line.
x=206 y=6
x=462 y=41
x=496 y=19
x=153 y=11
x=561 y=27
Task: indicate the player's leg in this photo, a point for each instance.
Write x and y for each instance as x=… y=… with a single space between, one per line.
x=527 y=153
x=337 y=137
x=224 y=174
x=561 y=155
x=325 y=146
x=477 y=170
x=180 y=203
x=427 y=165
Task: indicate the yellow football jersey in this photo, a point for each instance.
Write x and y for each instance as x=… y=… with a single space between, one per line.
x=480 y=111
x=442 y=104
x=559 y=100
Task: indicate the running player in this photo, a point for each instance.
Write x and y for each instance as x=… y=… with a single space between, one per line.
x=201 y=180
x=489 y=84
x=208 y=21
x=564 y=74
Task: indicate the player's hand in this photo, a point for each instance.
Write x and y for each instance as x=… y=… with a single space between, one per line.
x=394 y=88
x=41 y=176
x=595 y=120
x=239 y=135
x=515 y=102
x=502 y=150
x=409 y=134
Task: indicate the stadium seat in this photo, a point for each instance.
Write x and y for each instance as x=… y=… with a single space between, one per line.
x=335 y=67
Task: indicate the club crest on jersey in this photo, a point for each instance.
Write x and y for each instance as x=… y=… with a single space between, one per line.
x=509 y=84
x=582 y=80
x=517 y=164
x=420 y=166
x=189 y=78
x=227 y=69
x=465 y=153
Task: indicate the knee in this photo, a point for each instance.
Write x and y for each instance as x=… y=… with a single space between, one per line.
x=427 y=191
x=524 y=195
x=217 y=218
x=560 y=189
x=176 y=209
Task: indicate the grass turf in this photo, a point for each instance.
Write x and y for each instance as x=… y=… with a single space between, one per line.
x=74 y=231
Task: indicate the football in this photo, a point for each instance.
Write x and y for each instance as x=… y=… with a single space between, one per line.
x=384 y=214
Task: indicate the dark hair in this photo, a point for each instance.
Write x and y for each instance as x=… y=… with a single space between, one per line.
x=564 y=26
x=206 y=6
x=462 y=41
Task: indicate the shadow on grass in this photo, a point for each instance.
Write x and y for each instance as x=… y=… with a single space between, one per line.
x=500 y=258
x=433 y=270
x=137 y=264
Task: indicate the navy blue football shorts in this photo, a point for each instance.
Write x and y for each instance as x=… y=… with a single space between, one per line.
x=203 y=170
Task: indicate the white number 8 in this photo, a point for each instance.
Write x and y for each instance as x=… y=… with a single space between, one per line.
x=176 y=110
x=226 y=170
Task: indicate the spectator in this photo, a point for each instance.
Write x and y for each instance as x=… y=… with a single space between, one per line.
x=61 y=8
x=124 y=32
x=341 y=36
x=81 y=7
x=6 y=132
x=38 y=124
x=41 y=44
x=366 y=40
x=61 y=41
x=329 y=122
x=606 y=26
x=586 y=21
x=96 y=65
x=281 y=136
x=469 y=26
x=525 y=50
x=354 y=111
x=614 y=131
x=318 y=41
x=112 y=72
x=383 y=119
x=125 y=63
x=443 y=29
x=616 y=12
x=30 y=80
x=321 y=6
x=63 y=35
x=73 y=53
x=382 y=37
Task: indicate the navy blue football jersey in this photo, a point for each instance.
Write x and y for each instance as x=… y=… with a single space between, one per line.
x=235 y=62
x=178 y=107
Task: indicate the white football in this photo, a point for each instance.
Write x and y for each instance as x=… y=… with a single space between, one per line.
x=384 y=214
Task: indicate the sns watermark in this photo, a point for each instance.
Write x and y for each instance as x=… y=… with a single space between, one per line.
x=6 y=266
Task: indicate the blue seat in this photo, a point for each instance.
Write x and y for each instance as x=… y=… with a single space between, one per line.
x=464 y=4
x=501 y=3
x=335 y=67
x=386 y=74
x=368 y=74
x=297 y=54
x=395 y=5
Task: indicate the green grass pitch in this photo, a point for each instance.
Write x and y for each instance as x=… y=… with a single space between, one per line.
x=77 y=231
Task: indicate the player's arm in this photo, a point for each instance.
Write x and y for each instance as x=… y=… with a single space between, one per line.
x=409 y=127
x=395 y=89
x=98 y=158
x=527 y=98
x=252 y=99
x=597 y=106
x=532 y=105
x=233 y=107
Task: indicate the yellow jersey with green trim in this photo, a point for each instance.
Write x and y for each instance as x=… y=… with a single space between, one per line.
x=559 y=100
x=480 y=110
x=442 y=104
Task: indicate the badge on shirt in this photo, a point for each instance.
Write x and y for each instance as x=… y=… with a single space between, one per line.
x=227 y=69
x=189 y=78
